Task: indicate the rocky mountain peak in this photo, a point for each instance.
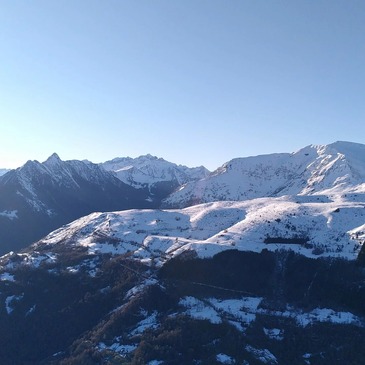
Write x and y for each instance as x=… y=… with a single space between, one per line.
x=54 y=159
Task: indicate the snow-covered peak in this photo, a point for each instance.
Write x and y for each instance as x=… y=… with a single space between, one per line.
x=68 y=172
x=34 y=179
x=54 y=159
x=52 y=170
x=335 y=168
x=32 y=169
x=347 y=147
x=117 y=162
x=354 y=154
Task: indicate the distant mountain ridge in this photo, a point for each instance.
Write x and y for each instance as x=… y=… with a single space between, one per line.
x=153 y=173
x=316 y=169
x=39 y=197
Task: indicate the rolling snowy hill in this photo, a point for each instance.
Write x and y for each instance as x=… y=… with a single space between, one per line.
x=312 y=226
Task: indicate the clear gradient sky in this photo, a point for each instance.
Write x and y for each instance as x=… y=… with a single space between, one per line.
x=197 y=82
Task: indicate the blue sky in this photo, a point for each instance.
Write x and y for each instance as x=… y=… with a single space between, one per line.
x=193 y=81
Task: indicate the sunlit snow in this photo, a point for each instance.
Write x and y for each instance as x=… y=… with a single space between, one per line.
x=311 y=227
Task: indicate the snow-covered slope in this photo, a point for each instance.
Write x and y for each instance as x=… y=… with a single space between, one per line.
x=34 y=179
x=337 y=168
x=312 y=226
x=147 y=171
x=3 y=171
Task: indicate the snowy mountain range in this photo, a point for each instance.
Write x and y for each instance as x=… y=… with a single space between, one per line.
x=39 y=197
x=268 y=268
x=55 y=192
x=156 y=176
x=335 y=169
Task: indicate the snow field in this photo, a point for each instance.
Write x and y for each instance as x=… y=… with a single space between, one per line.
x=334 y=228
